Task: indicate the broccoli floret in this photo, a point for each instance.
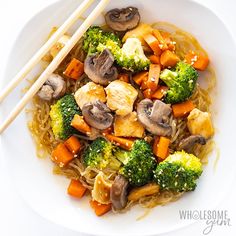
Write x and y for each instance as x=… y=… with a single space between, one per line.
x=95 y=36
x=130 y=56
x=62 y=113
x=99 y=154
x=178 y=172
x=139 y=163
x=181 y=82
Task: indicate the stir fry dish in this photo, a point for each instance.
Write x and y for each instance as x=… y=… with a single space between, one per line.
x=124 y=116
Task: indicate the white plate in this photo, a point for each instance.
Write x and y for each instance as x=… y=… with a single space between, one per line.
x=46 y=193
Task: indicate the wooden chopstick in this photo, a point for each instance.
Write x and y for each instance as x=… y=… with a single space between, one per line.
x=54 y=64
x=45 y=48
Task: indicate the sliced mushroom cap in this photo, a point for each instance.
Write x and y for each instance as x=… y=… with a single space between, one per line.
x=155 y=116
x=118 y=192
x=99 y=68
x=123 y=19
x=188 y=143
x=53 y=88
x=46 y=92
x=97 y=115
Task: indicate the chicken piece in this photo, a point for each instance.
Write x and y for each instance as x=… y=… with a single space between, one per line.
x=200 y=123
x=121 y=97
x=128 y=126
x=101 y=190
x=59 y=45
x=90 y=93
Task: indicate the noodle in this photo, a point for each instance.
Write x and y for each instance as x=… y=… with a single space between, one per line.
x=40 y=126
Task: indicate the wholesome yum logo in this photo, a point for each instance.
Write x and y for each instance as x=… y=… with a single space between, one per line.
x=211 y=217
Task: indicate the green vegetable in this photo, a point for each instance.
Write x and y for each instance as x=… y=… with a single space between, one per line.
x=130 y=56
x=95 y=36
x=139 y=163
x=178 y=172
x=181 y=82
x=99 y=154
x=62 y=113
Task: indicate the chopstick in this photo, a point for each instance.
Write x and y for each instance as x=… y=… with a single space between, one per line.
x=54 y=64
x=45 y=48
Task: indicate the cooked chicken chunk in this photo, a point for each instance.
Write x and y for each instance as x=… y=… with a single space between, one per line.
x=121 y=97
x=90 y=93
x=200 y=123
x=101 y=190
x=128 y=126
x=59 y=45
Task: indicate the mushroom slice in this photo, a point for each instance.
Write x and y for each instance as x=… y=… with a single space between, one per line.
x=54 y=87
x=123 y=19
x=99 y=68
x=45 y=93
x=155 y=117
x=146 y=190
x=118 y=193
x=188 y=143
x=97 y=115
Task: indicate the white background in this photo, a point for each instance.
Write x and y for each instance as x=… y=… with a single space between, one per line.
x=16 y=218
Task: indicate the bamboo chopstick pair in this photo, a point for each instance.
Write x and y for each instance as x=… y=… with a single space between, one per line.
x=56 y=61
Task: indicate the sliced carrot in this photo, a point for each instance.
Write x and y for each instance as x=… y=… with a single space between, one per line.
x=124 y=77
x=169 y=59
x=155 y=145
x=153 y=76
x=160 y=93
x=169 y=42
x=154 y=59
x=76 y=189
x=61 y=155
x=160 y=38
x=163 y=147
x=121 y=142
x=147 y=93
x=198 y=61
x=100 y=209
x=182 y=109
x=144 y=84
x=153 y=43
x=75 y=69
x=140 y=77
x=73 y=144
x=79 y=124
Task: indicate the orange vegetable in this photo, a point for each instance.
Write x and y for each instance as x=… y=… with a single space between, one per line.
x=76 y=189
x=170 y=44
x=140 y=77
x=100 y=209
x=162 y=148
x=121 y=142
x=75 y=69
x=198 y=61
x=79 y=124
x=73 y=144
x=61 y=155
x=182 y=109
x=144 y=83
x=154 y=59
x=159 y=94
x=169 y=58
x=147 y=93
x=160 y=38
x=124 y=77
x=153 y=76
x=153 y=43
x=155 y=145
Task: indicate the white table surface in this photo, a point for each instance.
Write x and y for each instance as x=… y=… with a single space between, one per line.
x=16 y=218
